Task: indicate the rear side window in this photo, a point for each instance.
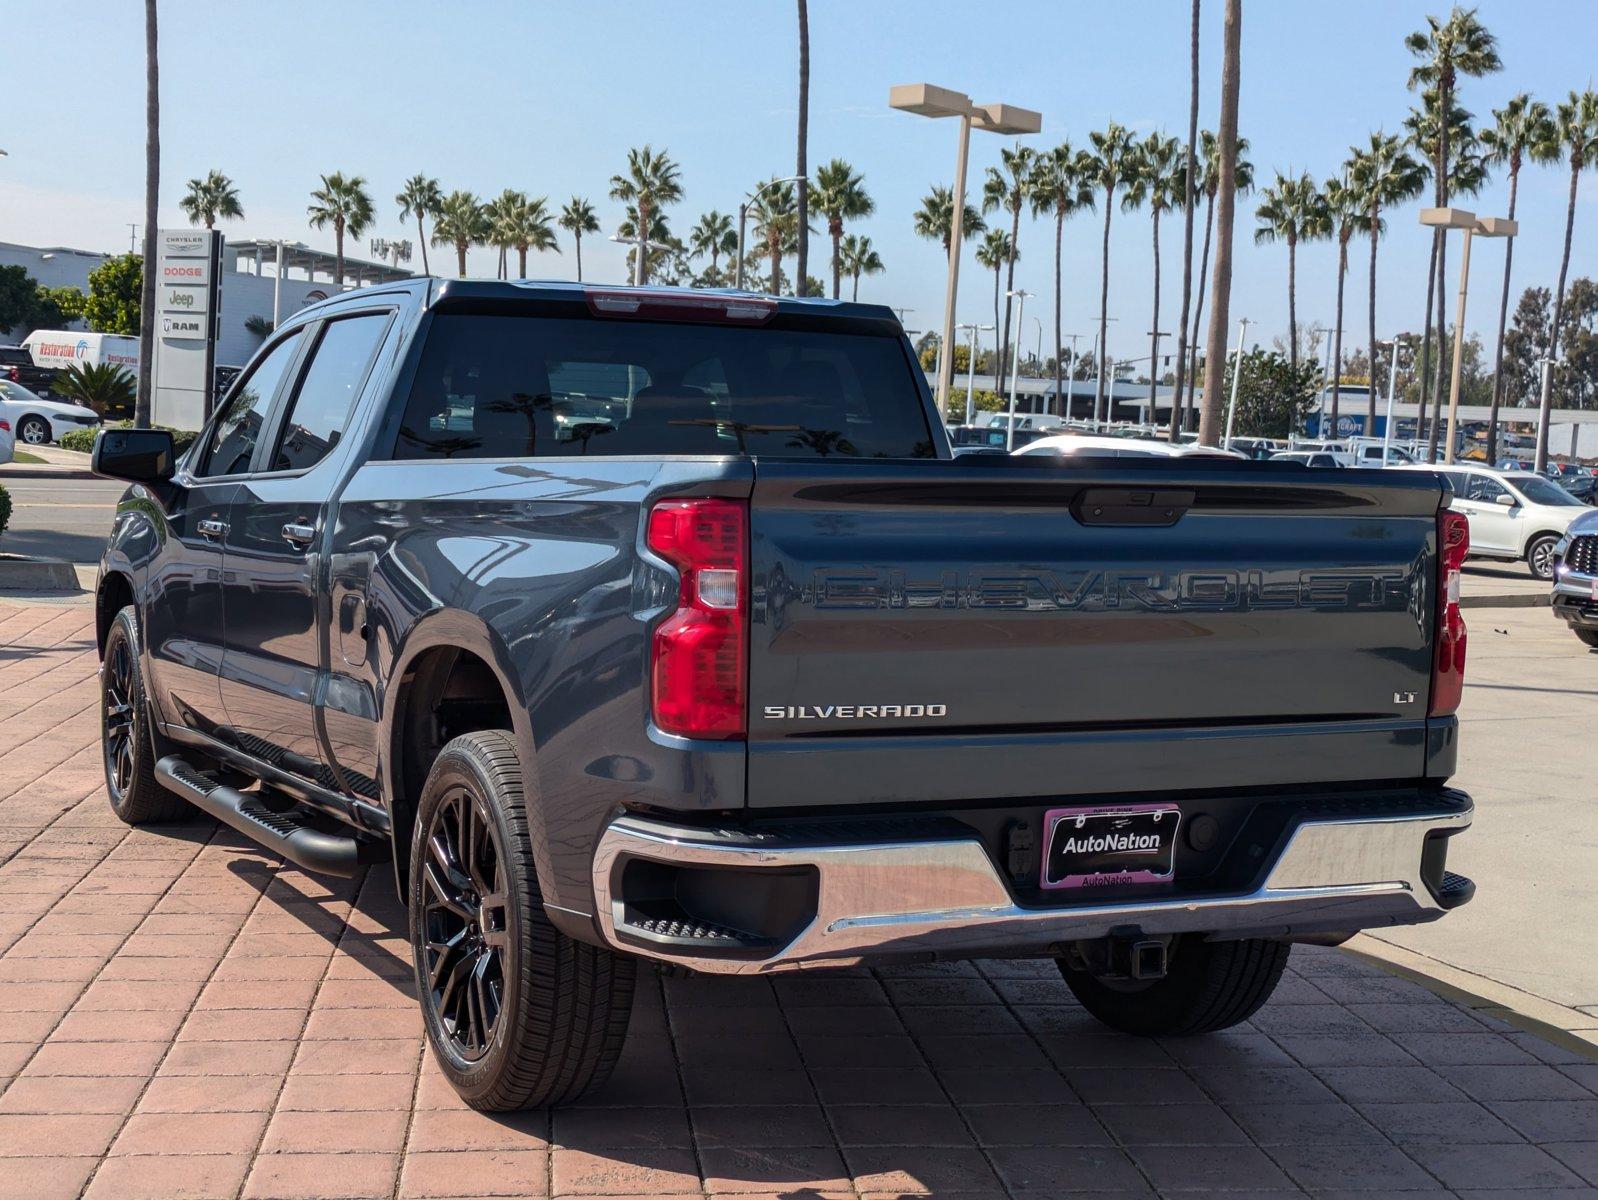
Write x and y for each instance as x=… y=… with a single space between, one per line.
x=534 y=387
x=322 y=406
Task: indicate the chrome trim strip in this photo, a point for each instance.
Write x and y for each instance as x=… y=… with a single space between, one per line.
x=944 y=896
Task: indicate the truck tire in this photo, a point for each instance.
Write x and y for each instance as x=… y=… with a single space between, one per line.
x=519 y=1015
x=127 y=742
x=1207 y=986
x=1589 y=637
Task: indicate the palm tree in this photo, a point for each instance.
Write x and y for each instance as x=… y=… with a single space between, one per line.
x=1158 y=180
x=577 y=218
x=1228 y=151
x=1209 y=181
x=1189 y=182
x=995 y=252
x=1523 y=129
x=859 y=258
x=210 y=199
x=1576 y=122
x=935 y=218
x=1384 y=174
x=524 y=225
x=776 y=214
x=802 y=166
x=840 y=196
x=419 y=198
x=715 y=236
x=461 y=221
x=1059 y=186
x=501 y=214
x=1114 y=154
x=1459 y=45
x=152 y=201
x=1346 y=213
x=650 y=182
x=1292 y=211
x=1006 y=188
x=345 y=204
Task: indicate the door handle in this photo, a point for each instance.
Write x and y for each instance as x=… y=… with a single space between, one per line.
x=211 y=528
x=297 y=534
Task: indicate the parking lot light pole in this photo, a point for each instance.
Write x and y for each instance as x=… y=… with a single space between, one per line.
x=971 y=369
x=1458 y=218
x=926 y=100
x=1392 y=389
x=1237 y=373
x=743 y=217
x=1020 y=295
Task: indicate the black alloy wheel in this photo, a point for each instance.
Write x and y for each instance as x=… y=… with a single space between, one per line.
x=121 y=729
x=465 y=922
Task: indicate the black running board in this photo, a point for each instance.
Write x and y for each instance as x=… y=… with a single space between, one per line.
x=286 y=832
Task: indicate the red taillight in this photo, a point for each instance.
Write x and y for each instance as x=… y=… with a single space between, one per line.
x=697 y=656
x=16 y=375
x=1448 y=669
x=662 y=305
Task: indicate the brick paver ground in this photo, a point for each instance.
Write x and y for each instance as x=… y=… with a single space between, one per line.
x=181 y=1015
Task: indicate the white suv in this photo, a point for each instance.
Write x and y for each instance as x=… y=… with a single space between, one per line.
x=1512 y=514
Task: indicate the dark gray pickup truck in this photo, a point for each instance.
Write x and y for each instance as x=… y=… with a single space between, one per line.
x=646 y=624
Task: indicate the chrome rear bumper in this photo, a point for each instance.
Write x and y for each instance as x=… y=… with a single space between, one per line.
x=944 y=897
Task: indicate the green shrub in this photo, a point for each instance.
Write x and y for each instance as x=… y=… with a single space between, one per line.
x=5 y=509
x=83 y=439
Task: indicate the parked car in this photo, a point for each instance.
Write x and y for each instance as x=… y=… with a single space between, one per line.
x=8 y=439
x=1307 y=458
x=1086 y=445
x=1582 y=487
x=1513 y=514
x=39 y=420
x=17 y=366
x=757 y=678
x=1575 y=598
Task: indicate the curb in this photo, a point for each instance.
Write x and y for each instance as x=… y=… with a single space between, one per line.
x=1509 y=600
x=1568 y=1028
x=37 y=575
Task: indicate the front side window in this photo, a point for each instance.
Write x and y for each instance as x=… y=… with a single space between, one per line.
x=326 y=397
x=517 y=387
x=233 y=438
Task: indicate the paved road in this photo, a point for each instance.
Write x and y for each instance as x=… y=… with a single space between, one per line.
x=58 y=513
x=181 y=1014
x=1528 y=724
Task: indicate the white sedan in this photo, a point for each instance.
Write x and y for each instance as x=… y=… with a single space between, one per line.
x=1093 y=446
x=36 y=420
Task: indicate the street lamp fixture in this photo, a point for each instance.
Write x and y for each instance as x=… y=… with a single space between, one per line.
x=743 y=217
x=971 y=369
x=1459 y=218
x=927 y=100
x=1397 y=344
x=1237 y=373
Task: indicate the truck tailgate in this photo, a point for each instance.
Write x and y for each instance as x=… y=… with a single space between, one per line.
x=941 y=632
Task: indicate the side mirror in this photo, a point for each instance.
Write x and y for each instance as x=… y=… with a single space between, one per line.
x=136 y=455
x=1505 y=499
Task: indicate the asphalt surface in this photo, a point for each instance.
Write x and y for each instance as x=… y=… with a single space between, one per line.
x=57 y=512
x=1526 y=756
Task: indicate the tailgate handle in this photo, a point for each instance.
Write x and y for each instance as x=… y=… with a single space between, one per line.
x=1132 y=506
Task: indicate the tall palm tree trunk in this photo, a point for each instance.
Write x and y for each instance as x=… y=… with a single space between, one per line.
x=1059 y=241
x=1104 y=306
x=1154 y=329
x=1009 y=286
x=837 y=258
x=460 y=257
x=152 y=196
x=641 y=248
x=1503 y=320
x=421 y=240
x=1178 y=398
x=802 y=169
x=1292 y=300
x=1370 y=410
x=855 y=295
x=1337 y=334
x=775 y=244
x=521 y=262
x=1198 y=307
x=577 y=239
x=338 y=254
x=1226 y=197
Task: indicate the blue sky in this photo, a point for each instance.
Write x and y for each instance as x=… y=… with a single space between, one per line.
x=547 y=98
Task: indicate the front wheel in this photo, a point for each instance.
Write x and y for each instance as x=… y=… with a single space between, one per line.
x=518 y=1014
x=34 y=430
x=1207 y=986
x=127 y=743
x=1540 y=555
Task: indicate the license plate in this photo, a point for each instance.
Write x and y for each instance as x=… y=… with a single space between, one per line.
x=1109 y=845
